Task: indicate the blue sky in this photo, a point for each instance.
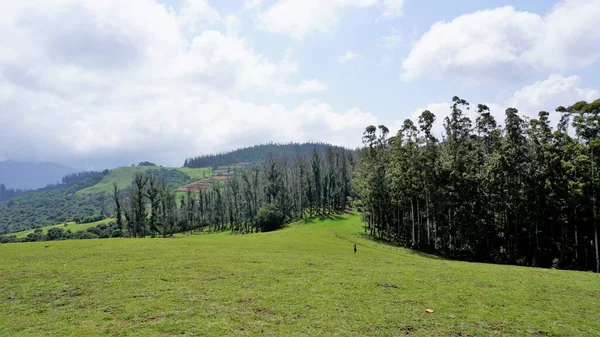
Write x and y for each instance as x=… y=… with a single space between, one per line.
x=105 y=84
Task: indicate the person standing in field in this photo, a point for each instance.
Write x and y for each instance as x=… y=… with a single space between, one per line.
x=355 y=248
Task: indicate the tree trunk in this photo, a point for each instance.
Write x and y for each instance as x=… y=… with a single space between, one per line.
x=596 y=244
x=428 y=222
x=412 y=215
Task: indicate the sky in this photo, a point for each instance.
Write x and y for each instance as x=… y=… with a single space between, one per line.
x=100 y=84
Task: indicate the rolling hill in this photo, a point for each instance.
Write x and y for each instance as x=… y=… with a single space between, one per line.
x=84 y=200
x=259 y=153
x=304 y=280
x=27 y=175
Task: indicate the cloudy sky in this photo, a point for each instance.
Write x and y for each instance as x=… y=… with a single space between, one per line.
x=96 y=84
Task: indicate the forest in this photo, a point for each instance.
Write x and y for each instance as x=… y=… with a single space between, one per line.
x=262 y=197
x=524 y=193
x=61 y=203
x=257 y=154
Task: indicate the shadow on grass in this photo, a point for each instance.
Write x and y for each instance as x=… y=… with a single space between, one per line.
x=382 y=242
x=330 y=217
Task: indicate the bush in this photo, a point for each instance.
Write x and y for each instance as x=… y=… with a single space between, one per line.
x=85 y=235
x=8 y=239
x=37 y=235
x=269 y=218
x=56 y=233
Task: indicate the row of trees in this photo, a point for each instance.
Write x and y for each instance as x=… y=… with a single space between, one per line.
x=522 y=194
x=258 y=154
x=9 y=193
x=259 y=198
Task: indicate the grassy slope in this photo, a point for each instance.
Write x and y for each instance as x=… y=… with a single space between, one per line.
x=123 y=176
x=197 y=173
x=304 y=280
x=74 y=227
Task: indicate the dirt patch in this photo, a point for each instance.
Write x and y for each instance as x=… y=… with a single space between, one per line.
x=202 y=184
x=264 y=312
x=408 y=330
x=153 y=319
x=44 y=276
x=386 y=285
x=482 y=286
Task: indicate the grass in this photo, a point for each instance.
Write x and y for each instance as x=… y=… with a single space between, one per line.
x=301 y=281
x=197 y=173
x=123 y=176
x=74 y=227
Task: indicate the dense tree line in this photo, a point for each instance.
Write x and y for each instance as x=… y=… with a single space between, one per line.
x=259 y=198
x=90 y=176
x=9 y=193
x=257 y=154
x=525 y=193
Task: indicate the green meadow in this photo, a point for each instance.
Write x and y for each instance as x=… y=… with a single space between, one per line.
x=72 y=226
x=123 y=176
x=304 y=280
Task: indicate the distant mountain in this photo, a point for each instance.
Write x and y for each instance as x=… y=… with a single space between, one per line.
x=258 y=153
x=27 y=175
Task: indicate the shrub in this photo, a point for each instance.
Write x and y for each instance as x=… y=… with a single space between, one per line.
x=8 y=239
x=56 y=233
x=85 y=235
x=269 y=218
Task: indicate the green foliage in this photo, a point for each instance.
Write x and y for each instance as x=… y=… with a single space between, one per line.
x=124 y=176
x=257 y=154
x=522 y=194
x=269 y=218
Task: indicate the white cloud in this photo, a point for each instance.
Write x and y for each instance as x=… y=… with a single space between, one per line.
x=393 y=8
x=504 y=42
x=253 y=4
x=544 y=95
x=547 y=95
x=125 y=80
x=311 y=86
x=390 y=41
x=299 y=18
x=193 y=11
x=440 y=110
x=347 y=57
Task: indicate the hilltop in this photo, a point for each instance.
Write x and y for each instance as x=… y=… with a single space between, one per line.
x=303 y=280
x=259 y=153
x=28 y=175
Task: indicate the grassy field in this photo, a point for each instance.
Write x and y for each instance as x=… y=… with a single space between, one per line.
x=74 y=227
x=197 y=173
x=123 y=176
x=302 y=281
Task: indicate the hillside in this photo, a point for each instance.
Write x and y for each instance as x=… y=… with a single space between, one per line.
x=27 y=175
x=123 y=176
x=303 y=280
x=83 y=200
x=258 y=153
x=72 y=226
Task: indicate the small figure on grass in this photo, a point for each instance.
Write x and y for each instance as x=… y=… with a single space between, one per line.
x=355 y=248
